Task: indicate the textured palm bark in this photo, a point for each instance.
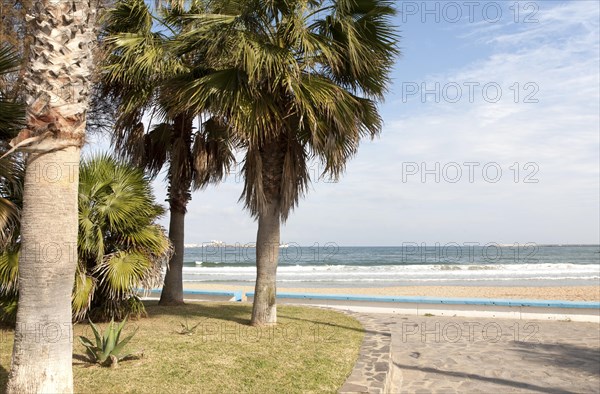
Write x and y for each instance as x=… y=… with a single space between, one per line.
x=172 y=292
x=42 y=353
x=57 y=83
x=264 y=308
x=180 y=180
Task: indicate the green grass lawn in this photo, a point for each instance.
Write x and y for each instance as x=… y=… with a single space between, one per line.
x=310 y=350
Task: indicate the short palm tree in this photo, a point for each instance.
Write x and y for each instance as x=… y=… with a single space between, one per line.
x=120 y=248
x=295 y=80
x=137 y=68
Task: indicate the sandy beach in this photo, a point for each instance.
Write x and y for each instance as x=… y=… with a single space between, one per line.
x=574 y=293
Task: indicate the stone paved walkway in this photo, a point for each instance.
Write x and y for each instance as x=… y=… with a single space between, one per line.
x=373 y=370
x=477 y=355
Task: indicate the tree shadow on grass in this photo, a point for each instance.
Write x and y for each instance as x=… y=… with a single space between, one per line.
x=237 y=313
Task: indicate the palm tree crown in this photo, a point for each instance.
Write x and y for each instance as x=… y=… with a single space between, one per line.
x=137 y=67
x=295 y=79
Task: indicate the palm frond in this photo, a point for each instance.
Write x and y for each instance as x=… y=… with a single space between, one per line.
x=9 y=270
x=12 y=173
x=9 y=59
x=212 y=153
x=122 y=272
x=83 y=293
x=12 y=112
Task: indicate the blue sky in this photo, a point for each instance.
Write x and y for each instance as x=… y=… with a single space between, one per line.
x=516 y=93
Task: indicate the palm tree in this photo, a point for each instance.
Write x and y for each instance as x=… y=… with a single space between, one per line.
x=295 y=80
x=56 y=88
x=137 y=68
x=120 y=248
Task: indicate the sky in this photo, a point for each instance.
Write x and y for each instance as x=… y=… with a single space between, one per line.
x=491 y=135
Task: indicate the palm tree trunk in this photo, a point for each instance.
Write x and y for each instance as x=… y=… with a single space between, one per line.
x=264 y=308
x=180 y=180
x=57 y=84
x=42 y=353
x=172 y=291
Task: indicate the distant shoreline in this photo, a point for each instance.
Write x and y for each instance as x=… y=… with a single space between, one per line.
x=563 y=293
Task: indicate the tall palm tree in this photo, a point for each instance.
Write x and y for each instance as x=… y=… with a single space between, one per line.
x=56 y=84
x=295 y=80
x=137 y=68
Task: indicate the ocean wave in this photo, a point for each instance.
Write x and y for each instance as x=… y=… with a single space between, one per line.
x=210 y=269
x=410 y=274
x=390 y=280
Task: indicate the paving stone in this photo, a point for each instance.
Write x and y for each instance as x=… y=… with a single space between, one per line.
x=372 y=369
x=380 y=377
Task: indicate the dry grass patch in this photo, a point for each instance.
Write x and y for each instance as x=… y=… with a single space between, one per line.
x=310 y=350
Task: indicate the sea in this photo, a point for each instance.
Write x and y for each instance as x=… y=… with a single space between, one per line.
x=469 y=264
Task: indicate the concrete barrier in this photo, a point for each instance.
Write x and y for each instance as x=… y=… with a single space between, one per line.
x=468 y=307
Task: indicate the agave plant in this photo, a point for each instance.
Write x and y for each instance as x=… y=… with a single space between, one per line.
x=107 y=350
x=187 y=328
x=120 y=248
